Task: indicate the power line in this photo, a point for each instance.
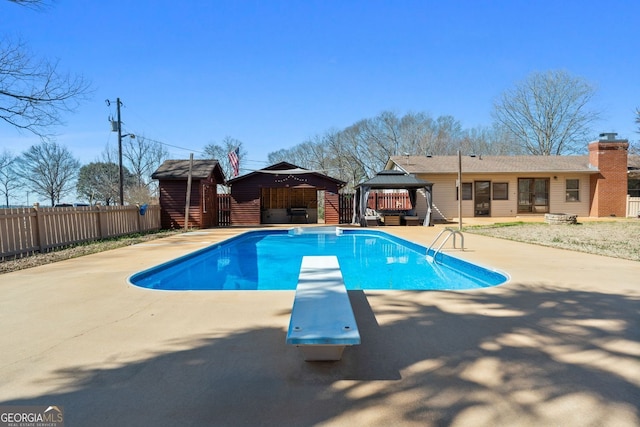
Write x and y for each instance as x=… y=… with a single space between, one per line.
x=139 y=135
x=190 y=150
x=170 y=145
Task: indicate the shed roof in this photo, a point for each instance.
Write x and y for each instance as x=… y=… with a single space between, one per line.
x=492 y=164
x=285 y=168
x=179 y=169
x=394 y=179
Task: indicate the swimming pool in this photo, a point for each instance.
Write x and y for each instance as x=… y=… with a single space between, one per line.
x=270 y=260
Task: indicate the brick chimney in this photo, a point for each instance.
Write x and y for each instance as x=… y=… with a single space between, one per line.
x=609 y=187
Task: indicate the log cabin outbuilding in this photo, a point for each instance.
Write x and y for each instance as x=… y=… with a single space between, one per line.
x=284 y=193
x=173 y=177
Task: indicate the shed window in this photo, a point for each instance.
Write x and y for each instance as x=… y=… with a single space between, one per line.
x=573 y=190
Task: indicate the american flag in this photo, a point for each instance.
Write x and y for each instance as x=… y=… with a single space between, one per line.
x=234 y=161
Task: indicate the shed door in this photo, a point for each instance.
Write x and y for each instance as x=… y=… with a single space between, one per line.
x=209 y=208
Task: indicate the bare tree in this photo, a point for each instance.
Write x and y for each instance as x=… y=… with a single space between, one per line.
x=9 y=181
x=34 y=93
x=49 y=170
x=282 y=155
x=548 y=113
x=634 y=147
x=492 y=141
x=143 y=157
x=362 y=149
x=34 y=4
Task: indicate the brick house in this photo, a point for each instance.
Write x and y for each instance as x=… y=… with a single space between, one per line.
x=595 y=185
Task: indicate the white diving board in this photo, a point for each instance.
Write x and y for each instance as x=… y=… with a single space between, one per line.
x=322 y=322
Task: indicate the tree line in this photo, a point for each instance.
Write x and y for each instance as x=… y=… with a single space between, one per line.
x=51 y=171
x=361 y=150
x=547 y=113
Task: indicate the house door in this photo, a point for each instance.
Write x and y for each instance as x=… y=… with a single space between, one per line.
x=482 y=198
x=533 y=195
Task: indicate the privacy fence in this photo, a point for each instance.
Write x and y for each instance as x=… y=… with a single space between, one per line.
x=633 y=207
x=377 y=201
x=24 y=231
x=224 y=209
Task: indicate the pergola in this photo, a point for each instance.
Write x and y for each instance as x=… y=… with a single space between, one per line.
x=391 y=180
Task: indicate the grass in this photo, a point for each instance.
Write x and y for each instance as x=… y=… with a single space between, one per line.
x=618 y=239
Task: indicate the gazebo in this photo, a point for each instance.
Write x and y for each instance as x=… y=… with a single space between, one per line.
x=391 y=180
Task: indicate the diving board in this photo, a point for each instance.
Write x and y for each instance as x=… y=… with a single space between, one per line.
x=322 y=323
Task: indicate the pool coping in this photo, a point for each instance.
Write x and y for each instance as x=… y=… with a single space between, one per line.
x=447 y=259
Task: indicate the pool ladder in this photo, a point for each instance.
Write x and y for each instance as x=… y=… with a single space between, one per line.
x=450 y=232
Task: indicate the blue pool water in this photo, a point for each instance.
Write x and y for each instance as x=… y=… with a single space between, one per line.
x=270 y=260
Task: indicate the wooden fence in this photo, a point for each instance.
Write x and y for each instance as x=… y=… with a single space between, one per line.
x=633 y=207
x=389 y=201
x=24 y=231
x=224 y=210
x=376 y=201
x=345 y=208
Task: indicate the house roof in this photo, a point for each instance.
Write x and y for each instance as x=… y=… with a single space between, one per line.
x=492 y=164
x=394 y=179
x=179 y=169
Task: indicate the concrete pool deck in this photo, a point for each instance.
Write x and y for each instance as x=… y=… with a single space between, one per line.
x=559 y=344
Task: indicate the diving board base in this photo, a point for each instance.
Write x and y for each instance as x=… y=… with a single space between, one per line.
x=321 y=353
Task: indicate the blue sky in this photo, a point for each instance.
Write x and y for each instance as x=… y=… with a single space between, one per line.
x=274 y=73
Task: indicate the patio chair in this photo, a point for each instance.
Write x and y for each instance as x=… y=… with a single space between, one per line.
x=372 y=217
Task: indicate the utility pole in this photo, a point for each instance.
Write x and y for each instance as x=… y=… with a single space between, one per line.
x=120 y=152
x=116 y=126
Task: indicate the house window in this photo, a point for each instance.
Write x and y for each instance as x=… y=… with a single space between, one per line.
x=634 y=187
x=500 y=191
x=573 y=190
x=467 y=191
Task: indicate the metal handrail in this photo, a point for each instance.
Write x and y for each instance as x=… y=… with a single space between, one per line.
x=452 y=232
